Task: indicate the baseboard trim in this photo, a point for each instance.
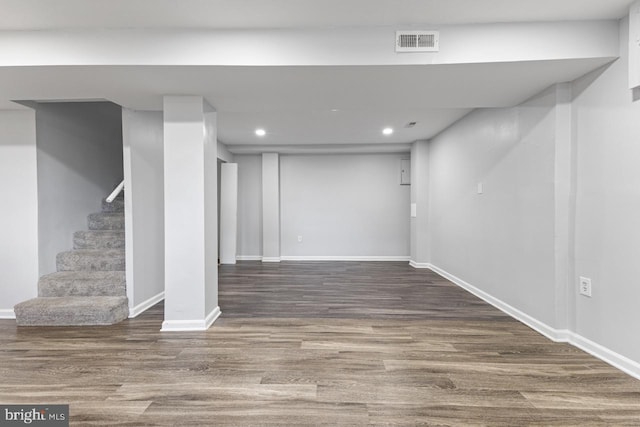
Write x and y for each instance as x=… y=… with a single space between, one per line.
x=321 y=258
x=145 y=305
x=414 y=264
x=531 y=322
x=7 y=314
x=614 y=359
x=212 y=317
x=191 y=325
x=249 y=257
x=344 y=258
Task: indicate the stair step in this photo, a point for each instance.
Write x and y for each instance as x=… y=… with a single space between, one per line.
x=106 y=221
x=116 y=206
x=98 y=239
x=82 y=283
x=91 y=260
x=72 y=311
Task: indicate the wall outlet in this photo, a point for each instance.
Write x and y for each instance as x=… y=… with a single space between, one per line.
x=585 y=286
x=299 y=239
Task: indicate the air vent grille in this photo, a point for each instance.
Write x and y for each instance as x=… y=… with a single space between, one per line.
x=417 y=41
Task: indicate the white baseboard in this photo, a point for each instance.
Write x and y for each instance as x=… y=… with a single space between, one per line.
x=191 y=325
x=249 y=257
x=145 y=305
x=7 y=314
x=212 y=317
x=533 y=323
x=614 y=359
x=344 y=258
x=414 y=264
x=321 y=258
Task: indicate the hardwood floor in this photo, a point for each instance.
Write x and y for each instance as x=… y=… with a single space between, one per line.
x=319 y=344
x=349 y=290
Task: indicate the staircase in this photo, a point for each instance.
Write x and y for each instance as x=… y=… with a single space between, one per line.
x=89 y=287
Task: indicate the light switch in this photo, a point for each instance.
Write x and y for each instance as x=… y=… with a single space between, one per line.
x=414 y=210
x=480 y=188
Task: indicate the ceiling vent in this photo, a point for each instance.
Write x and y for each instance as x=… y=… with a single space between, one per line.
x=417 y=41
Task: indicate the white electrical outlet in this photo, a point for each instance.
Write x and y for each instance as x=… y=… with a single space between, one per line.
x=299 y=239
x=585 y=286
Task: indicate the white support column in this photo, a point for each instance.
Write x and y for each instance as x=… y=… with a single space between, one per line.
x=228 y=213
x=190 y=204
x=420 y=256
x=270 y=207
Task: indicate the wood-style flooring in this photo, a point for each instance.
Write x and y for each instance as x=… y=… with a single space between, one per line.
x=345 y=290
x=319 y=344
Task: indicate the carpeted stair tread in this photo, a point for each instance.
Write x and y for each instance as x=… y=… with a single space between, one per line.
x=116 y=206
x=99 y=239
x=77 y=311
x=91 y=260
x=106 y=221
x=82 y=283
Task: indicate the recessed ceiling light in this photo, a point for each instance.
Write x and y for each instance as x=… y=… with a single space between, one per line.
x=334 y=110
x=261 y=132
x=387 y=131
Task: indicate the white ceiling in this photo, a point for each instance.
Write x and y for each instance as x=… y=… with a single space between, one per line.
x=294 y=103
x=242 y=14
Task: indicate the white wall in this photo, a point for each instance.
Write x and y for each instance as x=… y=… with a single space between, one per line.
x=419 y=222
x=560 y=179
x=271 y=217
x=144 y=207
x=211 y=194
x=249 y=206
x=79 y=164
x=634 y=46
x=19 y=215
x=607 y=225
x=344 y=206
x=501 y=241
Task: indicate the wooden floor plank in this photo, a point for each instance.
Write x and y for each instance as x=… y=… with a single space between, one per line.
x=319 y=344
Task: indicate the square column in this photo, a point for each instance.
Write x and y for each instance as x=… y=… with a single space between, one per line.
x=190 y=219
x=270 y=207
